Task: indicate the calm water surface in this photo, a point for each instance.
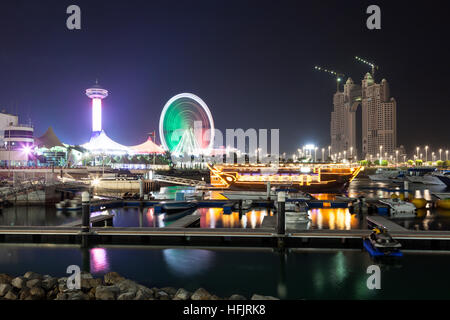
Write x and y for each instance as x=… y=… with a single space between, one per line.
x=299 y=274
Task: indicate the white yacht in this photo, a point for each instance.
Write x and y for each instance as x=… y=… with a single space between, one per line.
x=385 y=175
x=399 y=208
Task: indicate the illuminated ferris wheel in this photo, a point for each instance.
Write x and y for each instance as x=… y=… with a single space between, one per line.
x=186 y=125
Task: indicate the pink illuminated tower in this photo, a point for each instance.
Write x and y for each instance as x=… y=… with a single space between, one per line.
x=96 y=93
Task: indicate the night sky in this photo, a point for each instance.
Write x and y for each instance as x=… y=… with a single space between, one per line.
x=252 y=62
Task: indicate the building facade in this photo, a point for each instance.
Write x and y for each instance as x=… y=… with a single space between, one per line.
x=379 y=118
x=343 y=119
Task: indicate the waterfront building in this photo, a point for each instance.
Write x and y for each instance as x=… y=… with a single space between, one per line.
x=50 y=149
x=17 y=141
x=379 y=118
x=343 y=118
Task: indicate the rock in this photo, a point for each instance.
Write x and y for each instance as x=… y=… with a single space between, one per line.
x=4 y=278
x=260 y=297
x=49 y=284
x=86 y=275
x=171 y=291
x=201 y=294
x=34 y=283
x=4 y=288
x=18 y=282
x=62 y=296
x=77 y=295
x=106 y=293
x=144 y=293
x=127 y=286
x=52 y=294
x=113 y=278
x=214 y=297
x=24 y=294
x=38 y=293
x=127 y=296
x=182 y=294
x=30 y=275
x=11 y=296
x=88 y=283
x=162 y=295
x=237 y=297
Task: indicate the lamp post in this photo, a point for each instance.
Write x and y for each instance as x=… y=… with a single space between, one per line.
x=396 y=157
x=432 y=156
x=345 y=155
x=417 y=151
x=446 y=155
x=315 y=154
x=381 y=154
x=426 y=153
x=351 y=153
x=440 y=154
x=323 y=154
x=329 y=151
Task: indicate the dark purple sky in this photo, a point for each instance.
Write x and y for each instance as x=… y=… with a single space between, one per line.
x=252 y=62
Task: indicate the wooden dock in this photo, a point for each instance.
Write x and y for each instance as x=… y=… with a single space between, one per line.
x=185 y=222
x=385 y=223
x=95 y=221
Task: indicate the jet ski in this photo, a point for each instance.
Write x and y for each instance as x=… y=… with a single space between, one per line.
x=380 y=243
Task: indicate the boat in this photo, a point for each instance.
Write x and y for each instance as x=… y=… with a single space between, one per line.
x=177 y=206
x=261 y=195
x=74 y=204
x=399 y=208
x=380 y=243
x=382 y=174
x=444 y=177
x=424 y=176
x=314 y=178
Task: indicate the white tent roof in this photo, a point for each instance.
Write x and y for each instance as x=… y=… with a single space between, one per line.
x=100 y=143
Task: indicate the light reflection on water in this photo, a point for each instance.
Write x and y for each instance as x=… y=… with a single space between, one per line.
x=334 y=219
x=99 y=260
x=215 y=218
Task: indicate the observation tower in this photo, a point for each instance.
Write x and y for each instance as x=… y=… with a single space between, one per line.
x=97 y=94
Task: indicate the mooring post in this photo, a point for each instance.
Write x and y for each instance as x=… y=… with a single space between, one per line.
x=281 y=225
x=141 y=189
x=85 y=217
x=406 y=187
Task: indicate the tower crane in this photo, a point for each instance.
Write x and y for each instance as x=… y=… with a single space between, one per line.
x=369 y=64
x=339 y=76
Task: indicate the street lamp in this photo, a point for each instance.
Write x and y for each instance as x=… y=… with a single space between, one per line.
x=329 y=151
x=351 y=152
x=396 y=156
x=323 y=154
x=440 y=154
x=381 y=154
x=446 y=155
x=417 y=149
x=426 y=153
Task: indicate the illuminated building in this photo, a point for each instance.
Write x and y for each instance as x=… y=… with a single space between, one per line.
x=100 y=143
x=18 y=140
x=379 y=117
x=97 y=94
x=51 y=148
x=343 y=118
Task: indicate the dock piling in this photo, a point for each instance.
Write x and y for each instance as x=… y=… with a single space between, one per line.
x=85 y=217
x=281 y=219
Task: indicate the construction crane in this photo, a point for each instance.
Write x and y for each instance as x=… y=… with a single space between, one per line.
x=339 y=76
x=369 y=64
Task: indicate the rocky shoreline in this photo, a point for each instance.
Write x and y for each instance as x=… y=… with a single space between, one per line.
x=34 y=286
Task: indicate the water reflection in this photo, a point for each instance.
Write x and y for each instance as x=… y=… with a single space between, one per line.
x=188 y=262
x=334 y=219
x=99 y=260
x=216 y=218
